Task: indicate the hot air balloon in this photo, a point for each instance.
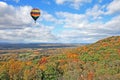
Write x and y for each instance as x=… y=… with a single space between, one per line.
x=35 y=13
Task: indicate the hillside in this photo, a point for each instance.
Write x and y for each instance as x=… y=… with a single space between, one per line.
x=113 y=41
x=98 y=61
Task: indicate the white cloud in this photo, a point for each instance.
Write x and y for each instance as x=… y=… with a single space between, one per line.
x=16 y=25
x=12 y=0
x=79 y=28
x=73 y=3
x=72 y=20
x=16 y=1
x=60 y=1
x=113 y=7
x=38 y=34
x=107 y=9
x=96 y=12
x=100 y=1
x=48 y=17
x=11 y=17
x=113 y=25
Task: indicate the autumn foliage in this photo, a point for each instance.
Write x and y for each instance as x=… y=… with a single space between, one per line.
x=97 y=61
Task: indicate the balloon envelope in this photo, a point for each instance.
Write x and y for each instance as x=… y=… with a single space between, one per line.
x=35 y=13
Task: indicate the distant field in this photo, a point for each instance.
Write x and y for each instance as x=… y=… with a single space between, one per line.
x=9 y=46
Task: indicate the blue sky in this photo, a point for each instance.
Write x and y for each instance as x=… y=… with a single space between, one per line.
x=61 y=21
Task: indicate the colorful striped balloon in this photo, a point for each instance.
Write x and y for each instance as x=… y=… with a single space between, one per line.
x=35 y=13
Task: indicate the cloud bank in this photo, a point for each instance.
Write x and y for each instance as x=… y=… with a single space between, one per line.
x=99 y=21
